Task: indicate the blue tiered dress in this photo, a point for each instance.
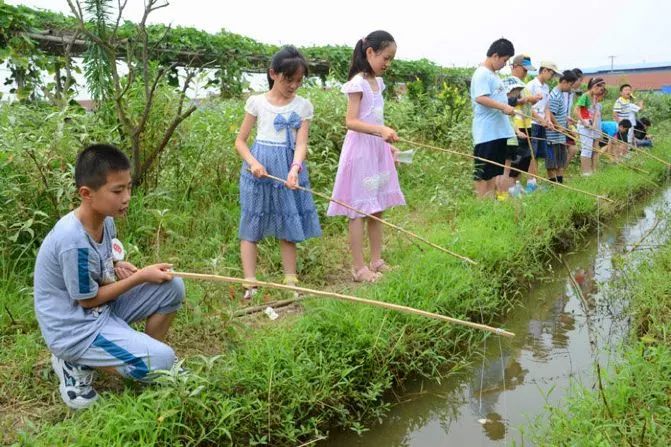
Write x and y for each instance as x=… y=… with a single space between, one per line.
x=268 y=207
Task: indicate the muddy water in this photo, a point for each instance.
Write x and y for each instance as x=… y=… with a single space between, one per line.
x=557 y=342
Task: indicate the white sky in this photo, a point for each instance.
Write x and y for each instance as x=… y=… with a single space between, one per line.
x=580 y=33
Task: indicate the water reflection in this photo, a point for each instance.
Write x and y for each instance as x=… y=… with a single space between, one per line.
x=555 y=346
x=489 y=381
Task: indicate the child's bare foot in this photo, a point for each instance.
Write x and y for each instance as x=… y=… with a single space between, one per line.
x=365 y=275
x=379 y=266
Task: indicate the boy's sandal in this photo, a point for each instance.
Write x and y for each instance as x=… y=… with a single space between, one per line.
x=365 y=275
x=379 y=266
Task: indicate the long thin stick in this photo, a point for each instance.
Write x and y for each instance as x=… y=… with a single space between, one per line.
x=274 y=305
x=648 y=154
x=450 y=151
x=277 y=179
x=567 y=133
x=338 y=296
x=645 y=236
x=635 y=148
x=531 y=147
x=382 y=221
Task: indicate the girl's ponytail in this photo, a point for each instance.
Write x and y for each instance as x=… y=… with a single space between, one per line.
x=378 y=41
x=359 y=62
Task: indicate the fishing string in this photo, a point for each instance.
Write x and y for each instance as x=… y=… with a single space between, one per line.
x=505 y=398
x=482 y=376
x=482 y=366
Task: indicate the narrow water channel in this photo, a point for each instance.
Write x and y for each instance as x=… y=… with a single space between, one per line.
x=492 y=401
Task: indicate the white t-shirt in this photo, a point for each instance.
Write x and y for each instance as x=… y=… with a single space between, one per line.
x=568 y=100
x=266 y=113
x=535 y=87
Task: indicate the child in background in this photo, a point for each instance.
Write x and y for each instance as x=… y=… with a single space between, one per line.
x=569 y=98
x=589 y=124
x=641 y=137
x=519 y=68
x=539 y=86
x=557 y=115
x=519 y=153
x=367 y=178
x=269 y=209
x=491 y=128
x=625 y=108
x=608 y=128
x=621 y=149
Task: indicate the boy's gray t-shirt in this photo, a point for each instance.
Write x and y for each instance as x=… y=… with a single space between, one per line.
x=71 y=266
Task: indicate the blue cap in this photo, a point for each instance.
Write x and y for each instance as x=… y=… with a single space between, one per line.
x=524 y=61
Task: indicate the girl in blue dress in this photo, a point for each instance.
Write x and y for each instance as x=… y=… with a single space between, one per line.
x=269 y=208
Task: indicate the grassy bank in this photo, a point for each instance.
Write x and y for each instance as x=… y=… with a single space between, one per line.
x=291 y=381
x=632 y=406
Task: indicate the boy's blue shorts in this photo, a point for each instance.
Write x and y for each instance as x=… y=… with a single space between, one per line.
x=135 y=354
x=538 y=141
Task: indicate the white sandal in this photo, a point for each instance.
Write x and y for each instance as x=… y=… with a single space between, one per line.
x=364 y=274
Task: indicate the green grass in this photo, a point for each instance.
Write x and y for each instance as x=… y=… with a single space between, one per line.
x=290 y=382
x=293 y=380
x=634 y=406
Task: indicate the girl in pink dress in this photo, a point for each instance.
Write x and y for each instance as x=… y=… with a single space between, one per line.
x=367 y=178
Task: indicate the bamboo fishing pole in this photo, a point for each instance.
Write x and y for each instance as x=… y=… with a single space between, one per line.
x=648 y=154
x=636 y=149
x=339 y=296
x=474 y=157
x=567 y=133
x=382 y=221
x=531 y=146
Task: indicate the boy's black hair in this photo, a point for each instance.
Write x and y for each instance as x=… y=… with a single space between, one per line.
x=625 y=123
x=378 y=41
x=578 y=72
x=287 y=61
x=501 y=47
x=623 y=86
x=568 y=76
x=645 y=121
x=96 y=161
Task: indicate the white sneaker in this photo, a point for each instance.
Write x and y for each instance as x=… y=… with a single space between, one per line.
x=249 y=293
x=75 y=383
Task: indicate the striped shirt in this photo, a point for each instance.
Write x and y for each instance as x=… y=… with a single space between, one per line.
x=557 y=107
x=625 y=109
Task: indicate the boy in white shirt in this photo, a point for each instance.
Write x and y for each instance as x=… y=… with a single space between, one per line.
x=539 y=86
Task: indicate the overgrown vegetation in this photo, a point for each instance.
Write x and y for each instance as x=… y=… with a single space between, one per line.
x=291 y=381
x=230 y=54
x=632 y=404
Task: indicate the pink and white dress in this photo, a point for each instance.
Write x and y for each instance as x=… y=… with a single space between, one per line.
x=367 y=178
